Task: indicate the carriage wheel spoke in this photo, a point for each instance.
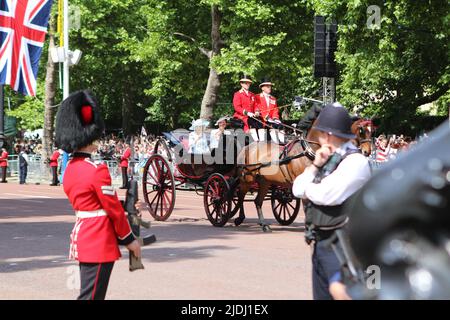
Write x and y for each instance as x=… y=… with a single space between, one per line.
x=291 y=206
x=151 y=176
x=167 y=197
x=155 y=198
x=162 y=209
x=276 y=207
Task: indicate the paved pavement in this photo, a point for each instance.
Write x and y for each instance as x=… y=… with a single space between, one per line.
x=191 y=259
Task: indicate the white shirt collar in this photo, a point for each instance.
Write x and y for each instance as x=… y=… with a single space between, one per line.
x=344 y=147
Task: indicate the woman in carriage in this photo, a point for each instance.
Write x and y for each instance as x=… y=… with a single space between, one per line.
x=198 y=141
x=216 y=134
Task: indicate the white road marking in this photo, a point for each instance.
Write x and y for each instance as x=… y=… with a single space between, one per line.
x=28 y=195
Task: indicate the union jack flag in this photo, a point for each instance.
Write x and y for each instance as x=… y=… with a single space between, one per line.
x=23 y=26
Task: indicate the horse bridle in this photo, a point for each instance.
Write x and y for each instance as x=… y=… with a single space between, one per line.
x=362 y=125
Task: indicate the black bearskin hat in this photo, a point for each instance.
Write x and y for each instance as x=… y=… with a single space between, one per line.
x=78 y=121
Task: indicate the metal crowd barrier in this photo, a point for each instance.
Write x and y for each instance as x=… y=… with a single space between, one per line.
x=37 y=171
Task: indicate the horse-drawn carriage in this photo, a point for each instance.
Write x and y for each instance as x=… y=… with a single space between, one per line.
x=214 y=176
x=231 y=171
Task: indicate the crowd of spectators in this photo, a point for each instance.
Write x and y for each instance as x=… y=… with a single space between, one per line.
x=112 y=147
x=32 y=146
x=389 y=146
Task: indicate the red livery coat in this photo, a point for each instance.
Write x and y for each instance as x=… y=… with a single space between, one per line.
x=101 y=219
x=4 y=159
x=243 y=101
x=267 y=111
x=54 y=159
x=124 y=159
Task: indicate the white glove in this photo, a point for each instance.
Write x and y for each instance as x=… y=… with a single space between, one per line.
x=250 y=114
x=277 y=121
x=270 y=120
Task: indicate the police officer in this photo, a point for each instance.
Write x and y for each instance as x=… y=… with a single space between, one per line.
x=101 y=220
x=23 y=163
x=336 y=173
x=400 y=223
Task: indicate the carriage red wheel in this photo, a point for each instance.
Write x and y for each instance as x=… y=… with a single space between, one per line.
x=285 y=207
x=158 y=185
x=161 y=148
x=217 y=207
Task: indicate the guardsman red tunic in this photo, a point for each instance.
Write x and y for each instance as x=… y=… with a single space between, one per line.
x=124 y=159
x=4 y=159
x=243 y=101
x=101 y=219
x=54 y=159
x=267 y=107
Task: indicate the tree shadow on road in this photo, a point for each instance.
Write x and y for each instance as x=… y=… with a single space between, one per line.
x=34 y=207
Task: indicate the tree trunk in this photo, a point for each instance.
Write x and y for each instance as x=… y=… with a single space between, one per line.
x=212 y=89
x=127 y=110
x=49 y=99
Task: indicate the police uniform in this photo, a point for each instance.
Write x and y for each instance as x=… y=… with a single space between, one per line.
x=54 y=166
x=100 y=219
x=399 y=222
x=4 y=164
x=326 y=191
x=23 y=166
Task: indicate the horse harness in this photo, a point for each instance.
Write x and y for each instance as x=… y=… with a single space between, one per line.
x=284 y=159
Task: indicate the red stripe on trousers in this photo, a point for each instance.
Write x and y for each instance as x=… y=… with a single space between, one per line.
x=96 y=280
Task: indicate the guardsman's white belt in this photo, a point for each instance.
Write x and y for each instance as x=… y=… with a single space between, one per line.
x=90 y=214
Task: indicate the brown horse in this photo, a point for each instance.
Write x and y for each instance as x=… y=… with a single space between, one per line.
x=259 y=165
x=363 y=129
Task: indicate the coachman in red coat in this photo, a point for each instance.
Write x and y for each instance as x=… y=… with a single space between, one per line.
x=244 y=102
x=100 y=219
x=267 y=105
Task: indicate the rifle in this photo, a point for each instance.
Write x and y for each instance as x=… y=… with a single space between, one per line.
x=353 y=275
x=136 y=222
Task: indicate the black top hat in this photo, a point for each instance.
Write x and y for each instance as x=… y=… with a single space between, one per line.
x=245 y=78
x=78 y=122
x=266 y=82
x=334 y=119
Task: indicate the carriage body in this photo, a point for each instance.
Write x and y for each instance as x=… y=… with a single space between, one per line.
x=215 y=176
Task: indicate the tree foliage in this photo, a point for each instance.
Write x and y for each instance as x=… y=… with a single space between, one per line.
x=144 y=58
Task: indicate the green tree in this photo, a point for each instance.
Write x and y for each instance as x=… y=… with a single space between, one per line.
x=107 y=26
x=390 y=71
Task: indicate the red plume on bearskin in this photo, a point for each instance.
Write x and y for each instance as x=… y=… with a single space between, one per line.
x=78 y=121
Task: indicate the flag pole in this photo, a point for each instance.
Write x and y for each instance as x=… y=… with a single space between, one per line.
x=66 y=50
x=2 y=116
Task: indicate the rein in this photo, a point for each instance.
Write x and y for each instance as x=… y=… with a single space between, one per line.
x=307 y=152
